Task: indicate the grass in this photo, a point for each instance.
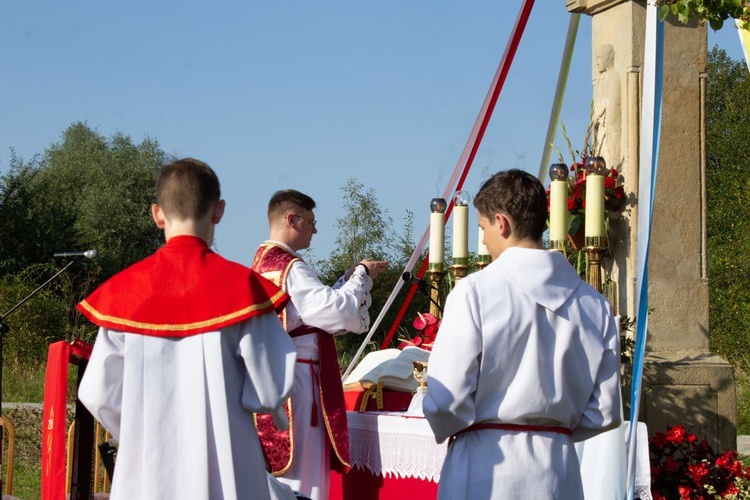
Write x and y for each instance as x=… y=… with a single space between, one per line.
x=27 y=421
x=25 y=384
x=26 y=481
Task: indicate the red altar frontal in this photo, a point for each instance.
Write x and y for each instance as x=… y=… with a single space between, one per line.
x=392 y=456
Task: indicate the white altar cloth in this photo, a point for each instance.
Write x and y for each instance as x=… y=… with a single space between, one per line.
x=390 y=444
x=387 y=444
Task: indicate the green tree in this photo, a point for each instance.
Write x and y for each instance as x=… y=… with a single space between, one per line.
x=366 y=231
x=105 y=187
x=18 y=227
x=728 y=224
x=85 y=192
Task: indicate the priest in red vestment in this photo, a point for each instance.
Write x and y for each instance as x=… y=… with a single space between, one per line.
x=318 y=438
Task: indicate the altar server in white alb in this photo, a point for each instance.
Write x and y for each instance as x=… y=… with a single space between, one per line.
x=189 y=347
x=526 y=361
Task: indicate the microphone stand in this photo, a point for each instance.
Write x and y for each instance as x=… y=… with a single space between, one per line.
x=4 y=328
x=435 y=303
x=422 y=287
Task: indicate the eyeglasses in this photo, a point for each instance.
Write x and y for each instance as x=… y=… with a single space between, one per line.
x=313 y=222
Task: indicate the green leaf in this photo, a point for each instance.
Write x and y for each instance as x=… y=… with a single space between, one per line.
x=664 y=11
x=716 y=24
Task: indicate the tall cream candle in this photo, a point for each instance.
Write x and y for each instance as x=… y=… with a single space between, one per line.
x=558 y=205
x=594 y=205
x=437 y=232
x=558 y=210
x=481 y=247
x=460 y=230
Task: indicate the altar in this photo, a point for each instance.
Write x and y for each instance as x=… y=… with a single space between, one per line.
x=395 y=457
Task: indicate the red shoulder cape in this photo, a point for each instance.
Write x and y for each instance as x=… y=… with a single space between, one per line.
x=183 y=289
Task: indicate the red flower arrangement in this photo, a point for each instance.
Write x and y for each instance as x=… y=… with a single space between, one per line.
x=683 y=468
x=426 y=326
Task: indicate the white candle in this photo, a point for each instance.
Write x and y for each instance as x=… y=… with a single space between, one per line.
x=558 y=210
x=460 y=231
x=481 y=247
x=437 y=237
x=594 y=206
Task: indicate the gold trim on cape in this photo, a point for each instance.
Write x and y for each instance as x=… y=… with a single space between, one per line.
x=181 y=327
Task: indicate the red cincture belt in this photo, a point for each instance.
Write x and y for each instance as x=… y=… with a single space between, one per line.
x=512 y=427
x=313 y=379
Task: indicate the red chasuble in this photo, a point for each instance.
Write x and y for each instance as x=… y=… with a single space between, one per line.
x=274 y=262
x=183 y=289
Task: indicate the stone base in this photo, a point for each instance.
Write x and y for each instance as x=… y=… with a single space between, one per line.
x=695 y=390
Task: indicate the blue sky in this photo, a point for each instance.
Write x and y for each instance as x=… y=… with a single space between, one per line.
x=301 y=95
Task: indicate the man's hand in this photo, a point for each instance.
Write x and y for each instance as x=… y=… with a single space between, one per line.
x=374 y=267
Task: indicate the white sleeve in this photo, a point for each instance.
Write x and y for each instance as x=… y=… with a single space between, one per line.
x=101 y=387
x=269 y=356
x=332 y=310
x=453 y=367
x=604 y=408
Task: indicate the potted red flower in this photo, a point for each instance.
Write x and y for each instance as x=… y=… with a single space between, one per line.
x=426 y=326
x=685 y=468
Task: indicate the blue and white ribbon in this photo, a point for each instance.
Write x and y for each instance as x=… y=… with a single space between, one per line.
x=648 y=160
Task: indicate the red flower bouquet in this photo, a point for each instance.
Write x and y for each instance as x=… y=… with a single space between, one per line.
x=426 y=327
x=683 y=468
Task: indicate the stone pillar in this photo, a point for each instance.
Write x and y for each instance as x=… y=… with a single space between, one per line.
x=683 y=381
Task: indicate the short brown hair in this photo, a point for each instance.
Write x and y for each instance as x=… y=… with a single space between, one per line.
x=287 y=199
x=520 y=196
x=187 y=189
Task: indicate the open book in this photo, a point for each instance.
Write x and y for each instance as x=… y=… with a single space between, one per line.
x=393 y=367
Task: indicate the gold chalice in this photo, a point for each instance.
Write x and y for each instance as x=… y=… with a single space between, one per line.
x=420 y=374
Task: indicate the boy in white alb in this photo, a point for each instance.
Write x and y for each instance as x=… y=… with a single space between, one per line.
x=189 y=347
x=526 y=360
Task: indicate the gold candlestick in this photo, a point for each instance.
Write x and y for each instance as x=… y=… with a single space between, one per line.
x=436 y=274
x=482 y=261
x=558 y=245
x=596 y=248
x=460 y=268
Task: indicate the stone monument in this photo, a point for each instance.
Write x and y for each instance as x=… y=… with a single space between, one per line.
x=683 y=382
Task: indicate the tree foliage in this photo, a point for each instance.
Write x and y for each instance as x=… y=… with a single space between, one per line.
x=366 y=231
x=84 y=192
x=728 y=190
x=715 y=12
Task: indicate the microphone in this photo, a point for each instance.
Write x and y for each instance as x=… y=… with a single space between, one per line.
x=88 y=254
x=423 y=285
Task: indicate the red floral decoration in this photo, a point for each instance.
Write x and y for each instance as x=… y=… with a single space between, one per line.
x=683 y=468
x=426 y=327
